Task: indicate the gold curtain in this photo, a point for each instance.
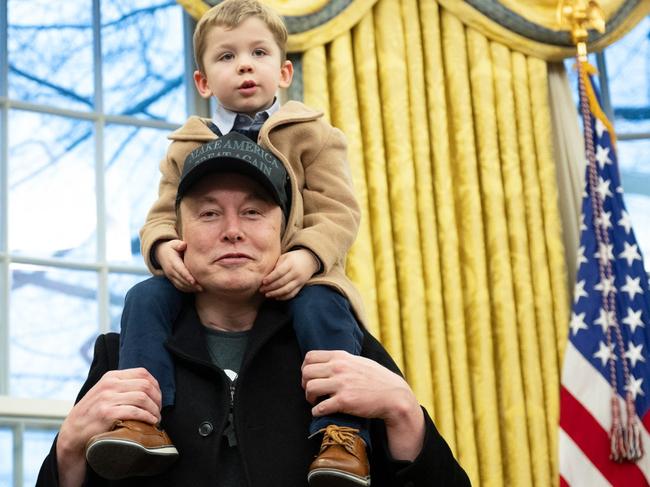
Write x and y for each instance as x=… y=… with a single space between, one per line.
x=459 y=257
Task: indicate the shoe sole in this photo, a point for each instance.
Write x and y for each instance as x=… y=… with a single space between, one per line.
x=325 y=477
x=117 y=459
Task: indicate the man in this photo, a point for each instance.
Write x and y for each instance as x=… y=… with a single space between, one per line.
x=240 y=417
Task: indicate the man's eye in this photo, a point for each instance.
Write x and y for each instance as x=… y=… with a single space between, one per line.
x=252 y=212
x=208 y=214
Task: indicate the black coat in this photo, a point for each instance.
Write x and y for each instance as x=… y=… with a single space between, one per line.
x=271 y=415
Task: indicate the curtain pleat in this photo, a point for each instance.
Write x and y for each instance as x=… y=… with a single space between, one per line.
x=427 y=222
x=541 y=112
x=473 y=265
x=507 y=362
x=459 y=257
x=316 y=89
x=448 y=242
x=542 y=457
x=394 y=92
x=345 y=115
x=377 y=187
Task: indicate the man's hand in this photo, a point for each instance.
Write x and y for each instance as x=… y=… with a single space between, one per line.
x=291 y=272
x=118 y=395
x=169 y=255
x=361 y=387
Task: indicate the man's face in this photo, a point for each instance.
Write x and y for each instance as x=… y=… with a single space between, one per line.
x=243 y=67
x=232 y=230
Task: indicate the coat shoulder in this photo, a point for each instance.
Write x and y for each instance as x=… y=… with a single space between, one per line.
x=195 y=128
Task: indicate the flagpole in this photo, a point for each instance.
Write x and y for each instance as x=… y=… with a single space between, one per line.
x=625 y=436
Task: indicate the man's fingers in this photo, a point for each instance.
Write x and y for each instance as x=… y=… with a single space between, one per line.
x=319 y=356
x=139 y=400
x=130 y=380
x=327 y=406
x=127 y=411
x=317 y=370
x=134 y=373
x=315 y=388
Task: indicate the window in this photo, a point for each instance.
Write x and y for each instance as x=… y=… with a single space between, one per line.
x=88 y=92
x=624 y=82
x=626 y=76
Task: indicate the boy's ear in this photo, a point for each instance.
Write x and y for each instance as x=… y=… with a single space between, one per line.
x=202 y=86
x=286 y=74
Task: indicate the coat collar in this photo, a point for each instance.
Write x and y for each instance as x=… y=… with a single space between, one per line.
x=188 y=339
x=196 y=128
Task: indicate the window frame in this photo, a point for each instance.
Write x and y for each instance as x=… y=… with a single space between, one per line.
x=16 y=414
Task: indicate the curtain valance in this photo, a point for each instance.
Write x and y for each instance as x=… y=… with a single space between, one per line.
x=528 y=26
x=531 y=26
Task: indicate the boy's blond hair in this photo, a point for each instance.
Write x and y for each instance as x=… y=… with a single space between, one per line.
x=231 y=13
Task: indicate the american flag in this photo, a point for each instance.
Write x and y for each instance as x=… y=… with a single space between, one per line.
x=609 y=331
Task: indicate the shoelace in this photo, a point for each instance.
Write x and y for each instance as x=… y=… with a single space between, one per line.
x=339 y=435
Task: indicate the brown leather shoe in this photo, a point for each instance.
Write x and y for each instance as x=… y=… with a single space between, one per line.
x=132 y=448
x=342 y=461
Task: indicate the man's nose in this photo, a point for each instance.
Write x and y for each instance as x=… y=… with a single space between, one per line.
x=232 y=231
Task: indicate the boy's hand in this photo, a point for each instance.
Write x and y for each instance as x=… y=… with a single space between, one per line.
x=170 y=257
x=291 y=272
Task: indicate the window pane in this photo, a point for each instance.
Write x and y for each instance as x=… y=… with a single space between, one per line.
x=133 y=156
x=634 y=164
x=634 y=156
x=6 y=457
x=628 y=68
x=118 y=285
x=53 y=322
x=36 y=446
x=51 y=186
x=632 y=126
x=143 y=62
x=38 y=73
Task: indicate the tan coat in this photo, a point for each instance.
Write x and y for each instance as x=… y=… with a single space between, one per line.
x=324 y=214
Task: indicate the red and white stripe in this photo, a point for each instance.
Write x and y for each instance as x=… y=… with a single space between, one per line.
x=585 y=420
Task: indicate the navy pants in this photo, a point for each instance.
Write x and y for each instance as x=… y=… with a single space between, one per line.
x=322 y=320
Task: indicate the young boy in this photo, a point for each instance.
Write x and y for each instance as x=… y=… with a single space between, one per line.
x=239 y=48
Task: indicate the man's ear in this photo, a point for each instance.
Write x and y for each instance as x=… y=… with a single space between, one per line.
x=202 y=85
x=286 y=74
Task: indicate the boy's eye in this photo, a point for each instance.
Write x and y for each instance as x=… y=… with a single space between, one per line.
x=226 y=56
x=259 y=52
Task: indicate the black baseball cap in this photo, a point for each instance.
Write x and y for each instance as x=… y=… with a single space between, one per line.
x=235 y=152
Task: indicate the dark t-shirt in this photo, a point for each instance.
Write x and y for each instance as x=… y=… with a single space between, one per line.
x=227 y=351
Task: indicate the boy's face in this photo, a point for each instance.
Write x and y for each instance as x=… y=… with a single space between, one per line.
x=243 y=67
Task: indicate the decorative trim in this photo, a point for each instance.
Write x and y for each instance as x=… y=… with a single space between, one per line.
x=494 y=10
x=500 y=24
